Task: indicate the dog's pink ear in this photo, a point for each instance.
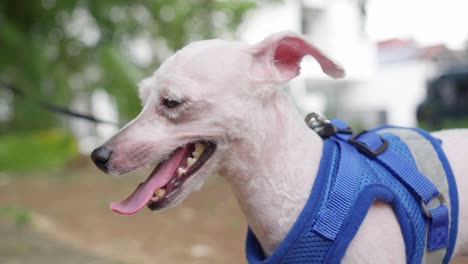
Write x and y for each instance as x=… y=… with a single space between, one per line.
x=278 y=58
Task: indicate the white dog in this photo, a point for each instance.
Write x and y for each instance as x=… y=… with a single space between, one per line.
x=216 y=107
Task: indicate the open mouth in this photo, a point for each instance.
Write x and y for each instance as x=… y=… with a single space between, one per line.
x=166 y=180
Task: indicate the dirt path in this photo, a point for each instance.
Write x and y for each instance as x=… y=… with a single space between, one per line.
x=206 y=228
x=21 y=245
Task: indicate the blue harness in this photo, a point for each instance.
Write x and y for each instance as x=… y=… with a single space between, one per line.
x=402 y=166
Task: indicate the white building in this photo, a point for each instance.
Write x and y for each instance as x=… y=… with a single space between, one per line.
x=384 y=84
x=337 y=28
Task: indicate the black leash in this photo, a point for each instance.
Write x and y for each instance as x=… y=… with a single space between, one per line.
x=52 y=107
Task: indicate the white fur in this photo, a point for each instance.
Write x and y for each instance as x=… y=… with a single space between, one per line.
x=265 y=151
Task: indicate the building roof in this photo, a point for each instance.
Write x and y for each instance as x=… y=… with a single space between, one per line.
x=397 y=50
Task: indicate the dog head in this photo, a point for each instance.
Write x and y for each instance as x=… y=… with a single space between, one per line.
x=197 y=107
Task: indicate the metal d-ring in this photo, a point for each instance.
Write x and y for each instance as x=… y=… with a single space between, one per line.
x=424 y=205
x=320 y=124
x=316 y=120
x=323 y=126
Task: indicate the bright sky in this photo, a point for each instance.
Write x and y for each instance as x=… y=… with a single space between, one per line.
x=426 y=21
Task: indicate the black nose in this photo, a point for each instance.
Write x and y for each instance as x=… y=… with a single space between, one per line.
x=101 y=156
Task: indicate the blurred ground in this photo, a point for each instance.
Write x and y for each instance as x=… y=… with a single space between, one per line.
x=69 y=222
x=72 y=207
x=19 y=245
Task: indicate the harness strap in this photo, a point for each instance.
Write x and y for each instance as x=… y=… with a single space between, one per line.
x=343 y=192
x=407 y=173
x=423 y=147
x=342 y=195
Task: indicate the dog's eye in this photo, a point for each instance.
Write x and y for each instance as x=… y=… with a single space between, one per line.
x=169 y=103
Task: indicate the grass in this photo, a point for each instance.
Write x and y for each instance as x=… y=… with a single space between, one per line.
x=17 y=215
x=43 y=150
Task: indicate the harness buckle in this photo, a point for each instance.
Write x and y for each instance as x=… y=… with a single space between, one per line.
x=441 y=199
x=324 y=127
x=364 y=148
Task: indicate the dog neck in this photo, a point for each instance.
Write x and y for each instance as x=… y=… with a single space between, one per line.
x=272 y=172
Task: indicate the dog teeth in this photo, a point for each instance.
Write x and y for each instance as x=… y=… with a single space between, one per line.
x=154 y=198
x=196 y=154
x=181 y=171
x=159 y=193
x=191 y=161
x=199 y=147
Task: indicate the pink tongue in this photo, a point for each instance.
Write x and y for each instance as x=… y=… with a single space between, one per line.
x=158 y=178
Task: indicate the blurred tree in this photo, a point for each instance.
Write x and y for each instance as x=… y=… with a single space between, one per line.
x=61 y=50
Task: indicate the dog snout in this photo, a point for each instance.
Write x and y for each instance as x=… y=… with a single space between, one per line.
x=101 y=157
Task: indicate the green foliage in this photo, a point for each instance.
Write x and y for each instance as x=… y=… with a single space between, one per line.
x=61 y=50
x=19 y=216
x=446 y=123
x=27 y=151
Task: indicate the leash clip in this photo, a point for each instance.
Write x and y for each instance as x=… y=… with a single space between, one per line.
x=323 y=126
